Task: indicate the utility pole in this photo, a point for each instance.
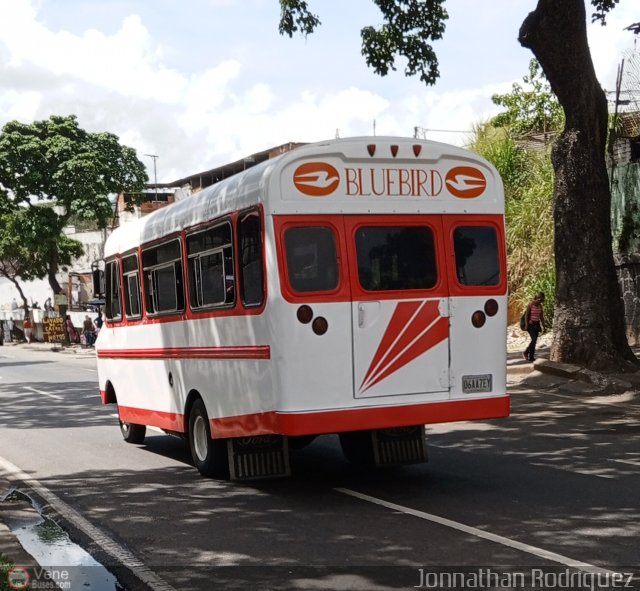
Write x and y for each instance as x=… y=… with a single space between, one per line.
x=155 y=172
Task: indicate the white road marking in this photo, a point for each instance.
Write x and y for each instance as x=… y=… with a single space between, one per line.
x=627 y=462
x=43 y=392
x=108 y=545
x=474 y=531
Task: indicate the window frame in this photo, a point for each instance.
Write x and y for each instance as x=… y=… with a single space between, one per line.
x=336 y=222
x=242 y=267
x=110 y=277
x=150 y=279
x=127 y=276
x=195 y=288
x=495 y=221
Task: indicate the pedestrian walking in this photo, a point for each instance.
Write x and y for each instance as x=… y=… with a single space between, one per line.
x=74 y=337
x=535 y=324
x=28 y=329
x=89 y=331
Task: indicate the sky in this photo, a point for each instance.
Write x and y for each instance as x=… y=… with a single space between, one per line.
x=201 y=83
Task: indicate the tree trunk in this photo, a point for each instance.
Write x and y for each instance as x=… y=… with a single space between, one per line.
x=51 y=273
x=589 y=326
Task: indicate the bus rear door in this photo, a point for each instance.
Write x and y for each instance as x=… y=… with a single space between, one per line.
x=400 y=305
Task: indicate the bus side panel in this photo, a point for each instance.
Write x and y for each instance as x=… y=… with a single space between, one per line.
x=227 y=361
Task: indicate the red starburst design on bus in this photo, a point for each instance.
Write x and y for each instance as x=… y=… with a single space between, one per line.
x=414 y=328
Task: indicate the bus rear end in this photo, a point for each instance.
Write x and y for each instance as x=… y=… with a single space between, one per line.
x=392 y=272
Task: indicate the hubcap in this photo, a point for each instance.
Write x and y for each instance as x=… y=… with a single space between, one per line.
x=200 y=443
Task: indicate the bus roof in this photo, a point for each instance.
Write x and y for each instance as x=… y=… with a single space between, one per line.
x=343 y=176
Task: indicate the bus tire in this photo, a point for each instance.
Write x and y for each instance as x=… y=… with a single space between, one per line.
x=357 y=447
x=209 y=455
x=132 y=433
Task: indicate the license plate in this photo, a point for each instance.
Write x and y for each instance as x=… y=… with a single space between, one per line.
x=475 y=384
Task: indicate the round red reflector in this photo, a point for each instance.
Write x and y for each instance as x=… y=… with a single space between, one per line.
x=491 y=307
x=305 y=314
x=478 y=318
x=320 y=325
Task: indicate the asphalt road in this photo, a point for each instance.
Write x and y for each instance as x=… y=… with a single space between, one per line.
x=552 y=489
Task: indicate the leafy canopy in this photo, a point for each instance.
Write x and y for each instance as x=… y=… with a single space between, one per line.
x=56 y=160
x=52 y=170
x=409 y=27
x=532 y=108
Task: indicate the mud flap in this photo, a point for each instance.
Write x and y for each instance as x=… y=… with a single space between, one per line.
x=263 y=456
x=399 y=446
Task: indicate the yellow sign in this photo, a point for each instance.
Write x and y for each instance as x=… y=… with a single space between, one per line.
x=53 y=329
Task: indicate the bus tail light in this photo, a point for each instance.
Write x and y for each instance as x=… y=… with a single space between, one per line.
x=478 y=318
x=305 y=314
x=320 y=325
x=491 y=307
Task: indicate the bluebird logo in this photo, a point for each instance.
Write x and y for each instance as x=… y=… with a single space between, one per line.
x=465 y=182
x=316 y=179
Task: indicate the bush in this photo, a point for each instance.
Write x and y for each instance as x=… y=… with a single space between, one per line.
x=528 y=182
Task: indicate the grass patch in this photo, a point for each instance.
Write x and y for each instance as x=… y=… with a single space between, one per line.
x=5 y=566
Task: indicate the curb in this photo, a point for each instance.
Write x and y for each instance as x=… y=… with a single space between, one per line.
x=605 y=383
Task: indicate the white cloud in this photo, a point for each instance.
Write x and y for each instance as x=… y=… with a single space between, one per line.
x=130 y=80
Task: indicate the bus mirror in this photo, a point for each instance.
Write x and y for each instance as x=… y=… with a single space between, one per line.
x=97 y=275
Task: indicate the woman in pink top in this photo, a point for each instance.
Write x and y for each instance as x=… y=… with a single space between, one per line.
x=535 y=325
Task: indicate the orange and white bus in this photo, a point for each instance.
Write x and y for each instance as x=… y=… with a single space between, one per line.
x=355 y=287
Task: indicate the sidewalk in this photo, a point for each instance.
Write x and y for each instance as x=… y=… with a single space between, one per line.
x=55 y=347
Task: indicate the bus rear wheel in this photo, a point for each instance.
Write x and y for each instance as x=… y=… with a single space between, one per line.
x=132 y=433
x=209 y=455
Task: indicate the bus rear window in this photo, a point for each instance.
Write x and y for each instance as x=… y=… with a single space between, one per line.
x=396 y=257
x=312 y=260
x=477 y=256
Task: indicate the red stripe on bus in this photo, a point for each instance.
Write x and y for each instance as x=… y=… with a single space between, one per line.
x=334 y=421
x=242 y=352
x=359 y=419
x=141 y=416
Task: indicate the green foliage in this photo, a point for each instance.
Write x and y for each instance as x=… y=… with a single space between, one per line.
x=55 y=162
x=29 y=239
x=5 y=566
x=408 y=27
x=602 y=8
x=532 y=108
x=295 y=16
x=528 y=182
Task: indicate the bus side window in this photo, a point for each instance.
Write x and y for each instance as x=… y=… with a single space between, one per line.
x=113 y=310
x=251 y=269
x=162 y=271
x=477 y=255
x=131 y=284
x=210 y=268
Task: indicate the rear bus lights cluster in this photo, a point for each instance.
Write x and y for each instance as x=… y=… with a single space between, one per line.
x=319 y=325
x=479 y=317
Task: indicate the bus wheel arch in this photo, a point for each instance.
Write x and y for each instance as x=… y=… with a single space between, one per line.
x=110 y=394
x=209 y=455
x=131 y=432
